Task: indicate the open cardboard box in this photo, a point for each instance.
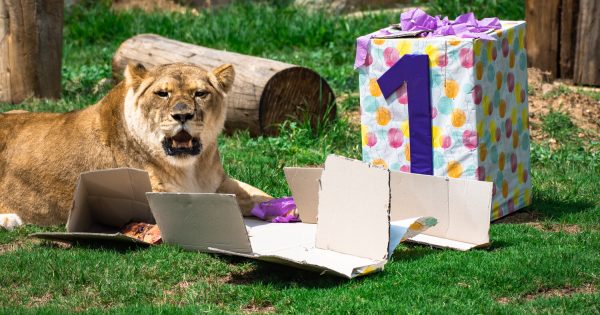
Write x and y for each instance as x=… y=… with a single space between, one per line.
x=460 y=206
x=361 y=218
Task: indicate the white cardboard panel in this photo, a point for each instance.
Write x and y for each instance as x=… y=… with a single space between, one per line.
x=460 y=206
x=415 y=195
x=198 y=221
x=354 y=208
x=469 y=220
x=267 y=238
x=304 y=184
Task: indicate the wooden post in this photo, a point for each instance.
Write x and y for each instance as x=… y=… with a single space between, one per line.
x=30 y=49
x=587 y=49
x=568 y=37
x=562 y=38
x=265 y=92
x=542 y=34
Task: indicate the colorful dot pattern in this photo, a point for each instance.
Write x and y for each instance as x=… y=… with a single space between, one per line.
x=480 y=126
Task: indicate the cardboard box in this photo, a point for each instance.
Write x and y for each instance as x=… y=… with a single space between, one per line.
x=104 y=202
x=354 y=215
x=459 y=206
x=478 y=111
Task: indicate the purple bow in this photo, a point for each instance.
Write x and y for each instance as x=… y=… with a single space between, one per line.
x=282 y=210
x=465 y=26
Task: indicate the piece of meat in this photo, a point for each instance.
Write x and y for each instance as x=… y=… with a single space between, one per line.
x=149 y=233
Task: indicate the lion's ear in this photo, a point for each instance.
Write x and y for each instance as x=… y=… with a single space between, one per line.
x=134 y=74
x=225 y=75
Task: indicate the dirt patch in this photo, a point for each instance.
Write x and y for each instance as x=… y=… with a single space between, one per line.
x=520 y=217
x=545 y=293
x=555 y=228
x=533 y=219
x=587 y=288
x=239 y=278
x=38 y=301
x=262 y=308
x=180 y=286
x=148 y=6
x=9 y=247
x=180 y=6
x=562 y=96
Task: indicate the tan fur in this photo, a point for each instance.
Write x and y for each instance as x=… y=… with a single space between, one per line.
x=41 y=154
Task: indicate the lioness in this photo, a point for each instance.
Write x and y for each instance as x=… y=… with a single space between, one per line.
x=164 y=120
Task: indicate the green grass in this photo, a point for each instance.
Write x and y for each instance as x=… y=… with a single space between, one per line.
x=524 y=259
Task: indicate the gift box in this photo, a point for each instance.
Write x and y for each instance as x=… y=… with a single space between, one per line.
x=451 y=101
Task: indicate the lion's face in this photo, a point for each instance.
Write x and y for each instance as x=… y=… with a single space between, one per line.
x=176 y=109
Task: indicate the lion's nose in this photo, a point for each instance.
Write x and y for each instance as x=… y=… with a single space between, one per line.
x=182 y=113
x=183 y=117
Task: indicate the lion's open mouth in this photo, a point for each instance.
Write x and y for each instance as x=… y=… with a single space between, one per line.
x=181 y=144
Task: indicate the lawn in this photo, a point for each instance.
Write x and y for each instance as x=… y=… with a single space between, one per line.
x=544 y=260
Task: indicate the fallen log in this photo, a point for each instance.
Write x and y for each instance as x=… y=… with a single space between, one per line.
x=265 y=92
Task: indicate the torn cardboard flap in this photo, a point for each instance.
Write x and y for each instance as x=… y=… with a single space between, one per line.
x=351 y=238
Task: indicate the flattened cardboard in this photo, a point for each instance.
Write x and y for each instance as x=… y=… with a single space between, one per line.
x=104 y=202
x=212 y=222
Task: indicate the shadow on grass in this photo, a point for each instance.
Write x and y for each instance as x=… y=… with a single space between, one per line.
x=280 y=276
x=105 y=245
x=546 y=209
x=284 y=277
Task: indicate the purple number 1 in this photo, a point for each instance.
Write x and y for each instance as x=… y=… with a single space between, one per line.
x=414 y=71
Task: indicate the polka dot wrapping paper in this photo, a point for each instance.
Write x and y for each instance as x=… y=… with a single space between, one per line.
x=479 y=111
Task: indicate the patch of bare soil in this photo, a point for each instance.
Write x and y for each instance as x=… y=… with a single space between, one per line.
x=546 y=95
x=180 y=6
x=178 y=289
x=533 y=219
x=148 y=6
x=567 y=291
x=38 y=301
x=555 y=228
x=262 y=308
x=12 y=246
x=520 y=217
x=239 y=278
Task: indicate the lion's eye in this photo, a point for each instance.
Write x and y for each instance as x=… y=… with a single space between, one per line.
x=200 y=94
x=162 y=93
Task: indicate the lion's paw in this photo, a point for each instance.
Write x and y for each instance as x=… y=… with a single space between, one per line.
x=10 y=221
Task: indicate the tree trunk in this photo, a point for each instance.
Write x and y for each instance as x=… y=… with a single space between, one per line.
x=587 y=52
x=30 y=49
x=265 y=92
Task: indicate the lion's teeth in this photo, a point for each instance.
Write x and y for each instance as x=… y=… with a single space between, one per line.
x=189 y=143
